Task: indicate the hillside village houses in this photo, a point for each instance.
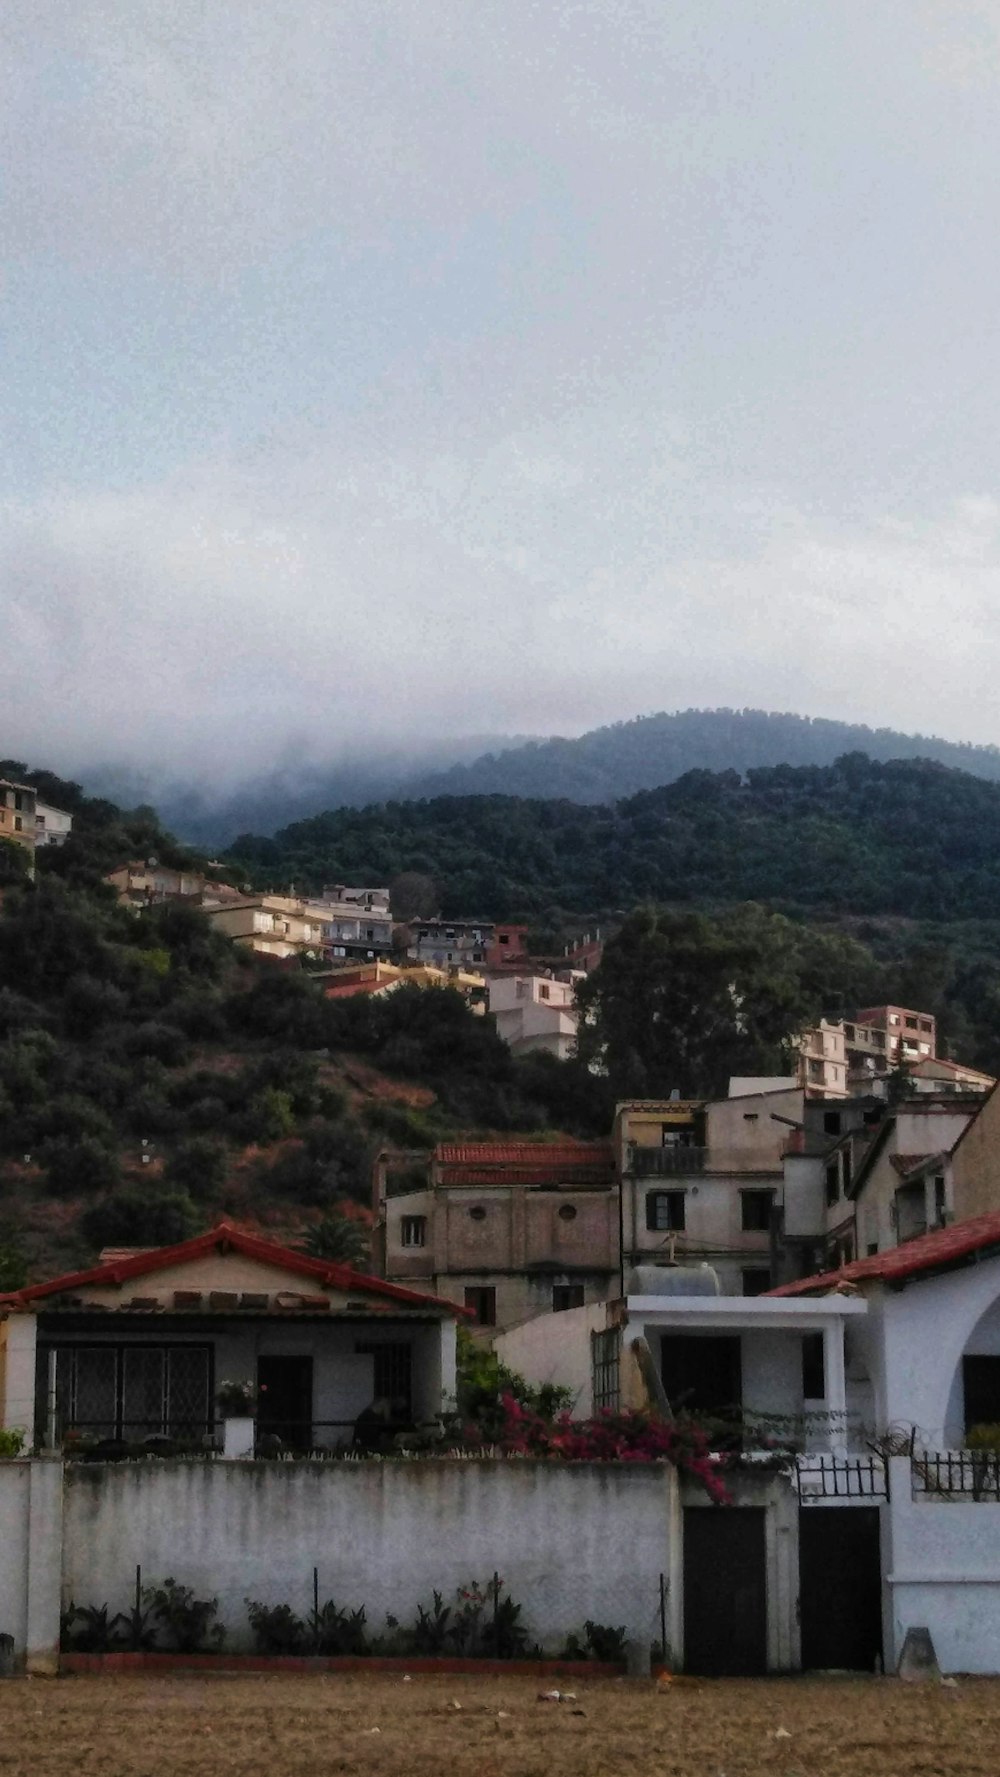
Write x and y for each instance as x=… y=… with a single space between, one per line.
x=28 y=821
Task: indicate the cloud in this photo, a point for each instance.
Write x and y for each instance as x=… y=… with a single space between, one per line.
x=551 y=581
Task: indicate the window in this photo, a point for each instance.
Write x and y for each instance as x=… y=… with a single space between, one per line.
x=926 y=1024
x=482 y=1299
x=755 y=1209
x=813 y=1367
x=393 y=1378
x=940 y=1201
x=131 y=1391
x=604 y=1369
x=849 y=1032
x=911 y=1024
x=477 y=1213
x=831 y=1122
x=871 y=1249
x=566 y=1295
x=815 y=1070
x=756 y=1279
x=567 y=1212
x=413 y=1231
x=665 y=1211
x=543 y=992
x=832 y=1182
x=893 y=1017
x=18 y=823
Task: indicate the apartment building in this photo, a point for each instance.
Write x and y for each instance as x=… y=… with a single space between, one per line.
x=822 y=1059
x=702 y=1181
x=465 y=942
x=909 y=1036
x=507 y=1229
x=18 y=804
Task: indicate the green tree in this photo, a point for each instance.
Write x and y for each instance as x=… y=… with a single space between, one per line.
x=133 y=1217
x=682 y=1001
x=13 y=1262
x=199 y=1166
x=340 y=1239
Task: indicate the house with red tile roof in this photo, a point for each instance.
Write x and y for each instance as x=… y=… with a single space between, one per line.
x=507 y=1229
x=132 y=1352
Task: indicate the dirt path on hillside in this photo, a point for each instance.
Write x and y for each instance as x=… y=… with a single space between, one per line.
x=203 y=1726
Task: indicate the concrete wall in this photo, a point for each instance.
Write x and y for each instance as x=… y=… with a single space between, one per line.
x=943 y=1573
x=571 y=1542
x=556 y=1348
x=976 y=1162
x=31 y=1503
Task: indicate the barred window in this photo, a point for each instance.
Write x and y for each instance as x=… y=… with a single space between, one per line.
x=129 y=1391
x=605 y=1364
x=665 y=1211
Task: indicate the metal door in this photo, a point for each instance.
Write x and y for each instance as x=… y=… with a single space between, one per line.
x=725 y=1591
x=840 y=1588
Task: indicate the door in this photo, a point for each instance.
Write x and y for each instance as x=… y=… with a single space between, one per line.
x=702 y=1374
x=285 y=1400
x=840 y=1588
x=725 y=1591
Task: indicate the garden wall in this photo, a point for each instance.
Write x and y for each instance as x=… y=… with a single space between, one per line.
x=571 y=1541
x=943 y=1571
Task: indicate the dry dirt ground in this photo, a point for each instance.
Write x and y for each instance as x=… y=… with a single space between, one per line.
x=194 y=1726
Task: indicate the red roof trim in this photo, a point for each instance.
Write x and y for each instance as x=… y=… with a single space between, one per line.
x=938 y=1251
x=524 y=1153
x=223 y=1237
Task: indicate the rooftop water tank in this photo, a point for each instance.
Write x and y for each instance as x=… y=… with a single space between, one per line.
x=672 y=1280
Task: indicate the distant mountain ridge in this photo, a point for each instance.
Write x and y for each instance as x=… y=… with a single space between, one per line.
x=650 y=751
x=601 y=766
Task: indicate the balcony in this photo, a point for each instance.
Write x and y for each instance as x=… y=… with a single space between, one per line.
x=689 y=1162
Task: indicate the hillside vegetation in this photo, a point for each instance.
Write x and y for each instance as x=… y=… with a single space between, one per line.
x=907 y=837
x=609 y=763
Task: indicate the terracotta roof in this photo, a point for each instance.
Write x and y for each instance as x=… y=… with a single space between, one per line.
x=939 y=1251
x=226 y=1237
x=547 y=1155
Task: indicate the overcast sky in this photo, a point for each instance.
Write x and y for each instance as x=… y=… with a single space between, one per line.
x=376 y=368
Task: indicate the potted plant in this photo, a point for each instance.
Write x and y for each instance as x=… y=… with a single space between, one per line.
x=236 y=1402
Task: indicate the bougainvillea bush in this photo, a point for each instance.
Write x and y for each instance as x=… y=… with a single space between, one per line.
x=624 y=1436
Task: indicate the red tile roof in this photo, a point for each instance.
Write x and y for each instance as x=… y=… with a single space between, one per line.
x=227 y=1237
x=939 y=1251
x=525 y=1153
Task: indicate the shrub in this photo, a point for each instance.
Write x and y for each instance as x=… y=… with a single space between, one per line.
x=186 y=1620
x=12 y=1442
x=626 y=1436
x=161 y=1042
x=276 y=1628
x=132 y=1217
x=83 y=1166
x=199 y=1165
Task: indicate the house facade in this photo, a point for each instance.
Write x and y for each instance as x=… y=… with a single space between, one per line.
x=508 y=1230
x=17 y=814
x=535 y=1011
x=53 y=826
x=464 y=943
x=133 y=1351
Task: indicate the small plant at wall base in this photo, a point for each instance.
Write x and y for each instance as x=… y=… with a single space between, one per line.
x=276 y=1628
x=236 y=1400
x=600 y=1641
x=185 y=1619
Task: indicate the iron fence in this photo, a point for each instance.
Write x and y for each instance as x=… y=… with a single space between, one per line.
x=956 y=1474
x=823 y=1476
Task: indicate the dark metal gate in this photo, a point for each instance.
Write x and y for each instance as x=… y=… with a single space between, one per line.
x=840 y=1588
x=725 y=1591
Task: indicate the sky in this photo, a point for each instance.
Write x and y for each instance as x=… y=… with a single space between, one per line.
x=384 y=373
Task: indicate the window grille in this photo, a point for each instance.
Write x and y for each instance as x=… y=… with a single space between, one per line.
x=605 y=1363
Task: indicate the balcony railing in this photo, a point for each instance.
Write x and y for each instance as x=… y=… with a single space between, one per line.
x=956 y=1474
x=686 y=1162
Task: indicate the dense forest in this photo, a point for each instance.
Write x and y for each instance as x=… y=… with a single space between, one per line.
x=602 y=766
x=609 y=763
x=908 y=838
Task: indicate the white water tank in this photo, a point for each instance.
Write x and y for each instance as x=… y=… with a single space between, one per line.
x=672 y=1280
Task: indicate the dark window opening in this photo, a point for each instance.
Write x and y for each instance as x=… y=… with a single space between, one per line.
x=813 y=1367
x=756 y=1280
x=482 y=1299
x=755 y=1209
x=127 y=1392
x=831 y=1122
x=566 y=1295
x=832 y=1182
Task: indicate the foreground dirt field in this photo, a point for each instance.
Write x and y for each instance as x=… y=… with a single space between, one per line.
x=199 y=1727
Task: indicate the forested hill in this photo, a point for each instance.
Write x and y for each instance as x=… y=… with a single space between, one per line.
x=906 y=837
x=609 y=763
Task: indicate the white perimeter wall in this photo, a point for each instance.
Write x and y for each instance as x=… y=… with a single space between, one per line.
x=943 y=1572
x=572 y=1542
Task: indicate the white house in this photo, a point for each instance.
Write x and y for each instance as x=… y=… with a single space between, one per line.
x=536 y=1012
x=136 y=1348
